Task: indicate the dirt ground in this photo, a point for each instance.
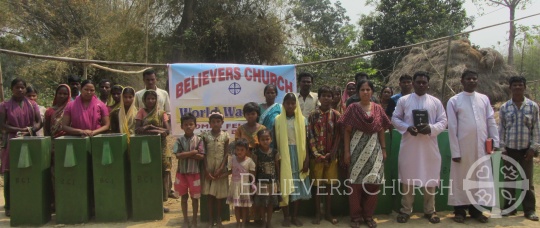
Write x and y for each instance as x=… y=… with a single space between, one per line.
x=174 y=217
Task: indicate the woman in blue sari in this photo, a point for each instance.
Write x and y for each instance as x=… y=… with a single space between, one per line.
x=270 y=109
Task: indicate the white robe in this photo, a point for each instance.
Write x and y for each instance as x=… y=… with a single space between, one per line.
x=419 y=161
x=470 y=123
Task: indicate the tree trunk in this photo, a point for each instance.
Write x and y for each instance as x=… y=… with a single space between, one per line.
x=512 y=34
x=185 y=24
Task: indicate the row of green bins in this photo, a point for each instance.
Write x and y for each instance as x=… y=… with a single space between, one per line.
x=30 y=180
x=80 y=163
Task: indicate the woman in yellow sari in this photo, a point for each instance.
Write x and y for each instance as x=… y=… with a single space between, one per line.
x=123 y=119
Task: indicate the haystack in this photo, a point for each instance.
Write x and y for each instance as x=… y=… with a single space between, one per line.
x=493 y=72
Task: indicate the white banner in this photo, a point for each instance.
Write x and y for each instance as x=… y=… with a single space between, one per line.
x=203 y=88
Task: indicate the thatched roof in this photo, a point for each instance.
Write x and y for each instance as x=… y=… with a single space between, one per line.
x=493 y=72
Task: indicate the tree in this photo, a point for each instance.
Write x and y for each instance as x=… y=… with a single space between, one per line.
x=324 y=32
x=512 y=5
x=396 y=23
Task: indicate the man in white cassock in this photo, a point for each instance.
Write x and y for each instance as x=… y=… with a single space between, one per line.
x=419 y=162
x=470 y=124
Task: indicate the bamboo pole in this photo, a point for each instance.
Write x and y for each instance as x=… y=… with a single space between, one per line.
x=1 y=84
x=448 y=50
x=85 y=66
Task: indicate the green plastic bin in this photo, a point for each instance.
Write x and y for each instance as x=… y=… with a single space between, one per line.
x=30 y=179
x=72 y=179
x=146 y=177
x=110 y=171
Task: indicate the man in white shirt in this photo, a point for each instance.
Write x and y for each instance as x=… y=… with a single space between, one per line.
x=309 y=101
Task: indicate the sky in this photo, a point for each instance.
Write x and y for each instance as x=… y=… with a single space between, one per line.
x=495 y=37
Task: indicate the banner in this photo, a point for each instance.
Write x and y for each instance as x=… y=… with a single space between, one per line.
x=203 y=88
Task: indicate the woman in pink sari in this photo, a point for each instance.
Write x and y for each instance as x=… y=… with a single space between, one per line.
x=18 y=117
x=87 y=115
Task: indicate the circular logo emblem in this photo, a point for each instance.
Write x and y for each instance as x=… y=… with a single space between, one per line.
x=235 y=88
x=493 y=185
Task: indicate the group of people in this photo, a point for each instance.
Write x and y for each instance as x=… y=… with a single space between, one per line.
x=322 y=139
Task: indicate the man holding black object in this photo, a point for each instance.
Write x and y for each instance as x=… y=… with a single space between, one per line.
x=471 y=123
x=520 y=140
x=419 y=162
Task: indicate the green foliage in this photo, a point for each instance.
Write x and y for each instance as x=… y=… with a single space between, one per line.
x=397 y=23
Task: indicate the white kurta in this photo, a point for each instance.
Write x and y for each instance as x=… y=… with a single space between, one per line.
x=470 y=123
x=419 y=161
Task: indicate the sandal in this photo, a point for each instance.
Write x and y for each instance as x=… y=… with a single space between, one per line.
x=433 y=218
x=481 y=218
x=331 y=219
x=296 y=222
x=459 y=218
x=531 y=216
x=403 y=218
x=370 y=222
x=286 y=222
x=316 y=220
x=354 y=224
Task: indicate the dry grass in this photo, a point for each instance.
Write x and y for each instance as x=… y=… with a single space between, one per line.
x=492 y=70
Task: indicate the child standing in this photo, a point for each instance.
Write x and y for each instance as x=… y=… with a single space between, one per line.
x=242 y=169
x=189 y=150
x=294 y=165
x=267 y=165
x=324 y=136
x=216 y=183
x=249 y=130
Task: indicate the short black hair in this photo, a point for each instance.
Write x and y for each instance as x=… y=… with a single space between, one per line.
x=86 y=82
x=105 y=80
x=337 y=90
x=17 y=80
x=387 y=87
x=251 y=107
x=363 y=81
x=304 y=74
x=325 y=89
x=74 y=78
x=188 y=116
x=31 y=89
x=359 y=75
x=242 y=142
x=148 y=72
x=270 y=86
x=421 y=74
x=469 y=72
x=216 y=115
x=148 y=93
x=262 y=132
x=405 y=77
x=514 y=79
